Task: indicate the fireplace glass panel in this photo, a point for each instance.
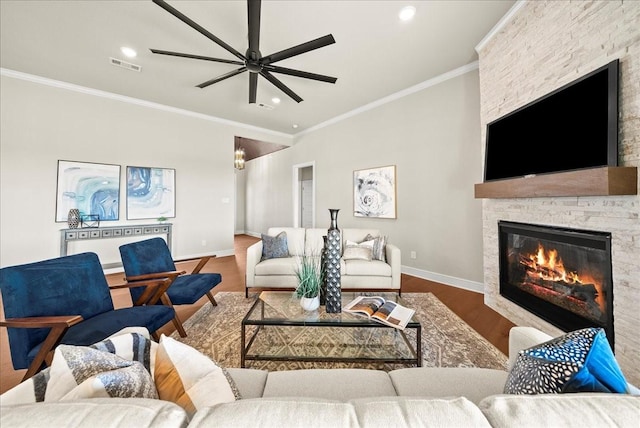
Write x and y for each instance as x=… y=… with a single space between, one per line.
x=561 y=275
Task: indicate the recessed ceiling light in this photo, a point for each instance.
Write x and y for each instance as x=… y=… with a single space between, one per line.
x=294 y=126
x=128 y=52
x=275 y=100
x=407 y=13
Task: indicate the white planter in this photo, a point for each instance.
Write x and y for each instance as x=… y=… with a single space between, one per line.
x=310 y=303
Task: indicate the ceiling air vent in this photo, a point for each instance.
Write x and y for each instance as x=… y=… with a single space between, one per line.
x=125 y=64
x=264 y=106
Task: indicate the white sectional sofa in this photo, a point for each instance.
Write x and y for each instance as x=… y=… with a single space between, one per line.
x=409 y=397
x=355 y=274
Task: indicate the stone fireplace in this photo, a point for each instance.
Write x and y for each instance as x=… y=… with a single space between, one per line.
x=538 y=47
x=562 y=275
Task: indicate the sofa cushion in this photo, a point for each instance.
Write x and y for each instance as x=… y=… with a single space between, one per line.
x=95 y=412
x=295 y=238
x=321 y=383
x=290 y=412
x=250 y=382
x=189 y=378
x=408 y=412
x=580 y=360
x=274 y=247
x=284 y=266
x=365 y=268
x=314 y=241
x=470 y=382
x=562 y=410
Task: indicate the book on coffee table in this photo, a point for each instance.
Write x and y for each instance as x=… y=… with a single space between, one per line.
x=383 y=311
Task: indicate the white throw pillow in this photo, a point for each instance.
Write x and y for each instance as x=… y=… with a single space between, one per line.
x=189 y=378
x=353 y=251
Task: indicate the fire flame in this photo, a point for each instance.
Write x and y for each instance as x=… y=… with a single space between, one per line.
x=551 y=268
x=548 y=265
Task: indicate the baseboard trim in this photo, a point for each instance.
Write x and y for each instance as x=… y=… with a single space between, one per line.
x=465 y=284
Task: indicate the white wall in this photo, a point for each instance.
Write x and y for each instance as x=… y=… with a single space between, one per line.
x=433 y=138
x=241 y=196
x=41 y=124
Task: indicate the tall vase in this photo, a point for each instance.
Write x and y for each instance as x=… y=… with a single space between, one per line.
x=323 y=270
x=73 y=218
x=332 y=273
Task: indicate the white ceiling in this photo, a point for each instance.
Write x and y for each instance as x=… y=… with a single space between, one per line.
x=375 y=54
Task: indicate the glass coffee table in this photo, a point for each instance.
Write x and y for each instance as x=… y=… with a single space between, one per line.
x=276 y=328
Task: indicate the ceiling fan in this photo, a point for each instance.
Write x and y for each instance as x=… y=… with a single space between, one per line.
x=252 y=60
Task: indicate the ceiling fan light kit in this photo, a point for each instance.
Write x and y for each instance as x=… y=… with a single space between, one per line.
x=252 y=61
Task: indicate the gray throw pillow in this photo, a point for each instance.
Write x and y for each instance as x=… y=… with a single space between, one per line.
x=379 y=250
x=274 y=247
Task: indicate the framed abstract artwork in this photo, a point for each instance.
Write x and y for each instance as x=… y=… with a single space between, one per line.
x=151 y=192
x=374 y=192
x=92 y=188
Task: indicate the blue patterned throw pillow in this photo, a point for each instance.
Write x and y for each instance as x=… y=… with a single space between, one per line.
x=579 y=361
x=274 y=247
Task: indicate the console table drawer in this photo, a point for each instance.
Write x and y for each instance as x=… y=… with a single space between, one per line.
x=112 y=232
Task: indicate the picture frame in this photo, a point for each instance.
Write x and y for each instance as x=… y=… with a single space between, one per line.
x=374 y=192
x=92 y=188
x=151 y=192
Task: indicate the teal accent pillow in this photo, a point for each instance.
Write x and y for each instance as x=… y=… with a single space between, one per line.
x=274 y=247
x=579 y=361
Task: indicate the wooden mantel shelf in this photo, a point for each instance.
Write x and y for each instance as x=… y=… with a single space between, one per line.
x=604 y=181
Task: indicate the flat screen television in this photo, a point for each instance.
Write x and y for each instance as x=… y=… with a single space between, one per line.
x=574 y=127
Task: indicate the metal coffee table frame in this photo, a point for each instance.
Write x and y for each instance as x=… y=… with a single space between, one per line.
x=290 y=317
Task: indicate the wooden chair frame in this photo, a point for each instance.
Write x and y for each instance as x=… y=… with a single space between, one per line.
x=171 y=277
x=59 y=325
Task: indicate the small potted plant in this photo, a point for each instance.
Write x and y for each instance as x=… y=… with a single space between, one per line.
x=309 y=275
x=162 y=219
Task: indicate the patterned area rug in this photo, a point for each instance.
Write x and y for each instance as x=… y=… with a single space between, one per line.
x=447 y=341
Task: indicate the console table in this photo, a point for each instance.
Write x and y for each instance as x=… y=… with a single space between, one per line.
x=88 y=233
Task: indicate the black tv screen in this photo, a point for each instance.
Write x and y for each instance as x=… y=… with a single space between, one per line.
x=573 y=127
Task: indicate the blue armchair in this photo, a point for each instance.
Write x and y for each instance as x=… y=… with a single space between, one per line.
x=151 y=259
x=67 y=300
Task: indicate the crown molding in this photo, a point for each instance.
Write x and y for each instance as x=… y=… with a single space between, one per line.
x=130 y=100
x=503 y=21
x=393 y=97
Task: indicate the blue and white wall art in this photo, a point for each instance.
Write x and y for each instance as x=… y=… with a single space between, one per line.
x=93 y=188
x=150 y=192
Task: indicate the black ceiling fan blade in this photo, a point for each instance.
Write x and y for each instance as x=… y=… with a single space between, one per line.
x=299 y=49
x=223 y=77
x=205 y=58
x=253 y=8
x=253 y=87
x=197 y=27
x=298 y=73
x=278 y=84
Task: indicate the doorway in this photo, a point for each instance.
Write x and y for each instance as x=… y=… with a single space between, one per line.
x=304 y=195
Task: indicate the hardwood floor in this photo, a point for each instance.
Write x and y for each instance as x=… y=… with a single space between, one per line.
x=467 y=305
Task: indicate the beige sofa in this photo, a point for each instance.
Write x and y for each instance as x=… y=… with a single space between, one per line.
x=355 y=274
x=409 y=397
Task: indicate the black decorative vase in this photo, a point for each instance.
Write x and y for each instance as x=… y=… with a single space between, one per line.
x=323 y=271
x=332 y=259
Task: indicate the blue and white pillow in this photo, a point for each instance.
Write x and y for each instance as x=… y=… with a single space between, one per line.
x=579 y=361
